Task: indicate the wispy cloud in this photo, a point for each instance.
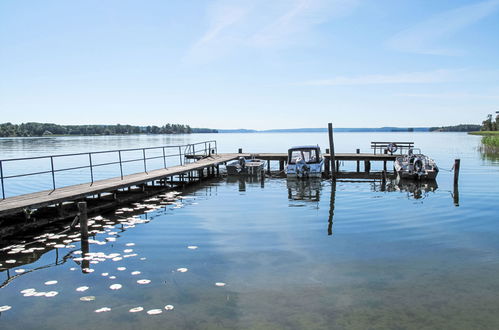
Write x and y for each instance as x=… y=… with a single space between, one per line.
x=263 y=24
x=427 y=77
x=427 y=36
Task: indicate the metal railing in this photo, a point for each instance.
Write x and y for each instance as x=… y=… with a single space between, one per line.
x=180 y=152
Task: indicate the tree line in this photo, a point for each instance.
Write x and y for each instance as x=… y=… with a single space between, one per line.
x=490 y=124
x=47 y=129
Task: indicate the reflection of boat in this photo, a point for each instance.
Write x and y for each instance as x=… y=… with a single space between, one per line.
x=304 y=190
x=304 y=162
x=416 y=166
x=244 y=166
x=417 y=190
x=414 y=189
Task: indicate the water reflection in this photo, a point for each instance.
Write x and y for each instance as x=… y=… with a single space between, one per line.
x=30 y=248
x=413 y=189
x=304 y=190
x=243 y=180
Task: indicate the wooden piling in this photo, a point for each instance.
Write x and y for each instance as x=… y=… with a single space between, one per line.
x=358 y=162
x=240 y=151
x=268 y=167
x=331 y=147
x=82 y=208
x=455 y=195
x=457 y=165
x=281 y=165
x=367 y=166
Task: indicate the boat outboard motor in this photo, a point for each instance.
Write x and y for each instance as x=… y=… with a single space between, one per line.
x=242 y=162
x=418 y=165
x=302 y=168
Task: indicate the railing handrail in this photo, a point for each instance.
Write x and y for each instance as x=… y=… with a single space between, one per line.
x=187 y=149
x=104 y=151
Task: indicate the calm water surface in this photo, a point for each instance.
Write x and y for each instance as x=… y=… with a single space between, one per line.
x=316 y=255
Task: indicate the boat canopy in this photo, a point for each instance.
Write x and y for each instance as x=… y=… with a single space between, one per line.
x=310 y=154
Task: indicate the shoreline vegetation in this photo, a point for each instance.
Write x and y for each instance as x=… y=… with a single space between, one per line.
x=490 y=134
x=47 y=129
x=490 y=141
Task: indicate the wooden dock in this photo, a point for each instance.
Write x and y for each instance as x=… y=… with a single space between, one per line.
x=17 y=204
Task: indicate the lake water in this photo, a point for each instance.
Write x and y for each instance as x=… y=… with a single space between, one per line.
x=236 y=254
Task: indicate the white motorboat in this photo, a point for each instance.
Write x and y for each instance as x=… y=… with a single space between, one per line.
x=304 y=162
x=245 y=166
x=415 y=166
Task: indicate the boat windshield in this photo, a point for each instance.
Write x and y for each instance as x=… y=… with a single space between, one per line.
x=309 y=155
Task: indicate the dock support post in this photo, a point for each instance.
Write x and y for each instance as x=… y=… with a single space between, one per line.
x=457 y=165
x=367 y=166
x=358 y=162
x=331 y=147
x=326 y=166
x=82 y=208
x=281 y=165
x=268 y=167
x=218 y=170
x=384 y=165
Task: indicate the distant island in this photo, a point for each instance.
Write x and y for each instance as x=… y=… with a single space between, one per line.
x=47 y=129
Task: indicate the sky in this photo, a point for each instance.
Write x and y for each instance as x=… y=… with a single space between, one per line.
x=249 y=64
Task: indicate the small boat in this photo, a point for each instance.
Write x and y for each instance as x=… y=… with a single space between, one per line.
x=415 y=166
x=245 y=166
x=304 y=162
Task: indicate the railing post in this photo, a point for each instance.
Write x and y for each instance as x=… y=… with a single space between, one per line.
x=121 y=165
x=1 y=179
x=180 y=154
x=209 y=149
x=164 y=157
x=91 y=168
x=144 y=153
x=52 y=169
x=205 y=148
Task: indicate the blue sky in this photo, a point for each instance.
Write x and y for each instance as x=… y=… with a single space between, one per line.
x=253 y=64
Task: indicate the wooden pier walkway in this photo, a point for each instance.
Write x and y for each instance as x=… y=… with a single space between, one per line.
x=17 y=204
x=36 y=200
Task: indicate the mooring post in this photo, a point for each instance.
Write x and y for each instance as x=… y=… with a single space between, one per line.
x=331 y=147
x=82 y=208
x=358 y=162
x=240 y=151
x=455 y=195
x=457 y=165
